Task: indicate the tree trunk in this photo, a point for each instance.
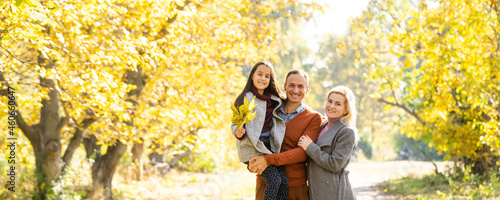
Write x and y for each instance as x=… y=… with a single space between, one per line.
x=482 y=164
x=75 y=142
x=46 y=144
x=103 y=171
x=105 y=166
x=45 y=136
x=158 y=162
x=48 y=162
x=137 y=151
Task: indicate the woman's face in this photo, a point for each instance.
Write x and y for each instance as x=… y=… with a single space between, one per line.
x=335 y=106
x=261 y=78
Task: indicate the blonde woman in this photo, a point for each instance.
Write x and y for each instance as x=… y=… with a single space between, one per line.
x=331 y=154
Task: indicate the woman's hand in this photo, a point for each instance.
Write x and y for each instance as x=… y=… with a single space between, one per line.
x=240 y=132
x=304 y=142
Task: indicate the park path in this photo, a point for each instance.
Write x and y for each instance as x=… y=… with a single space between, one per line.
x=240 y=184
x=366 y=175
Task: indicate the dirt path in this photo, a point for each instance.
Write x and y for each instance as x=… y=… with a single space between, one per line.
x=366 y=175
x=240 y=184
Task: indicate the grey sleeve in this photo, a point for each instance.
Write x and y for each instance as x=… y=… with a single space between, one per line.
x=233 y=129
x=341 y=151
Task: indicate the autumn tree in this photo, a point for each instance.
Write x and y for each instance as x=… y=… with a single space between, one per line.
x=336 y=63
x=438 y=61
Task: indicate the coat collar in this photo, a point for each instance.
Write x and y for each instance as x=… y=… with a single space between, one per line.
x=273 y=97
x=327 y=138
x=250 y=95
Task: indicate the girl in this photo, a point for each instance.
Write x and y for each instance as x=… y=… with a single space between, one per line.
x=264 y=134
x=330 y=155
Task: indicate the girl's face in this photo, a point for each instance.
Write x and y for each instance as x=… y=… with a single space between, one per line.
x=261 y=78
x=335 y=106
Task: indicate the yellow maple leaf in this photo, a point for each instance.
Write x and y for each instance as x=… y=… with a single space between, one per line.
x=244 y=114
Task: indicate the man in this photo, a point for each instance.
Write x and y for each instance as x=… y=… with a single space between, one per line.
x=300 y=120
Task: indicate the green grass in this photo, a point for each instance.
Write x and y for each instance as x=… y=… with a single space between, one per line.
x=414 y=188
x=434 y=186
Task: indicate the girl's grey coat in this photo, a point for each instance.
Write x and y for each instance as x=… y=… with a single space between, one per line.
x=251 y=146
x=326 y=167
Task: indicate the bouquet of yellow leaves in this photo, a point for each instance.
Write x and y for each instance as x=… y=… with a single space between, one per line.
x=244 y=115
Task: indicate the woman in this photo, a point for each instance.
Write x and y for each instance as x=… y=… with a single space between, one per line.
x=330 y=155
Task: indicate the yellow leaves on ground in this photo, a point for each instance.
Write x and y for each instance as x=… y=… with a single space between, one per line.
x=244 y=114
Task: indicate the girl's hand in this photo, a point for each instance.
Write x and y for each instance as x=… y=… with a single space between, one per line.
x=240 y=132
x=304 y=142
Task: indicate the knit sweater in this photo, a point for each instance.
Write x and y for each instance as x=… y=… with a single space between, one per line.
x=291 y=155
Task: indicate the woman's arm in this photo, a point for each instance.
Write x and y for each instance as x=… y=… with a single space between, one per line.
x=342 y=151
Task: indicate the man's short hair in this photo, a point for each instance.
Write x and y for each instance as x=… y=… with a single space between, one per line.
x=300 y=72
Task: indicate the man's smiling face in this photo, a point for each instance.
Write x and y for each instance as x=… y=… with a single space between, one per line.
x=296 y=87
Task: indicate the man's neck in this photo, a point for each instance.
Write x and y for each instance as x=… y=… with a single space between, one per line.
x=290 y=107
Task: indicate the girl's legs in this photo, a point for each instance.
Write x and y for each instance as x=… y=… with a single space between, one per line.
x=274 y=181
x=283 y=189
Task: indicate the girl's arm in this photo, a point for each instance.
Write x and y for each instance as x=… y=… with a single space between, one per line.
x=240 y=134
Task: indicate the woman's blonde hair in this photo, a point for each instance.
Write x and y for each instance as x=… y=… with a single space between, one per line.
x=350 y=104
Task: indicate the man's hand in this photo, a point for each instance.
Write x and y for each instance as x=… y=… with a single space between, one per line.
x=257 y=164
x=250 y=167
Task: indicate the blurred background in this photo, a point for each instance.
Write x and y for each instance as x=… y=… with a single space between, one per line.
x=118 y=99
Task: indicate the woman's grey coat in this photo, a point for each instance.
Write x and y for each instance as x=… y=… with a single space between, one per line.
x=251 y=146
x=326 y=167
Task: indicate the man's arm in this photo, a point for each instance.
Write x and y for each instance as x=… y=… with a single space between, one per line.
x=297 y=154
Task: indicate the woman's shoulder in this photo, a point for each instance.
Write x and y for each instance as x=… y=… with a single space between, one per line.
x=348 y=131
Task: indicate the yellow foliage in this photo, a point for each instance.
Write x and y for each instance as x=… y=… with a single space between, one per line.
x=187 y=54
x=244 y=114
x=439 y=60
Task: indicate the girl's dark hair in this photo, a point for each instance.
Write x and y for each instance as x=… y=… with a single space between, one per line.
x=272 y=88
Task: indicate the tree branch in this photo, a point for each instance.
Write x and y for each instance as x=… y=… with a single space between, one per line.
x=179 y=157
x=15 y=57
x=404 y=108
x=432 y=161
x=75 y=141
x=28 y=131
x=90 y=144
x=392 y=91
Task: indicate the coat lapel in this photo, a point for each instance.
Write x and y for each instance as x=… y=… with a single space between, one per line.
x=327 y=138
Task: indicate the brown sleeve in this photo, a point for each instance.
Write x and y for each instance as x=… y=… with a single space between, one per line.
x=297 y=154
